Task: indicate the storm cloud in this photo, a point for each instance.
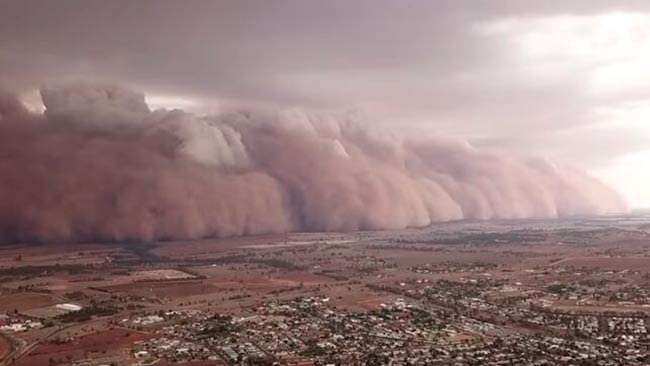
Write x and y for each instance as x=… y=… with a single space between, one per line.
x=566 y=80
x=98 y=164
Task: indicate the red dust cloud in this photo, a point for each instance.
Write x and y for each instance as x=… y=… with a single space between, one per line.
x=98 y=164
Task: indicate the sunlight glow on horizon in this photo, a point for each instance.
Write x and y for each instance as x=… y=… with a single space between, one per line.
x=607 y=56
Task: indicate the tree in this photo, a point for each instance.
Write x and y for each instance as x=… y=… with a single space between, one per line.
x=373 y=359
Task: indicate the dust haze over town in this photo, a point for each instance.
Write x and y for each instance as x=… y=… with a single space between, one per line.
x=324 y=183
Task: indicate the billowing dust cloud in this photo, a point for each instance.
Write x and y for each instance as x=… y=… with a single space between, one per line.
x=98 y=164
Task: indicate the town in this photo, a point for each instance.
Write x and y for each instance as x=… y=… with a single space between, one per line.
x=535 y=292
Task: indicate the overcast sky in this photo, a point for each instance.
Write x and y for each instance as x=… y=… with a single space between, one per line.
x=568 y=80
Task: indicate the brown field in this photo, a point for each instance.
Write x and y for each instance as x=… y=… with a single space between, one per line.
x=95 y=344
x=41 y=255
x=167 y=289
x=26 y=301
x=607 y=263
x=211 y=248
x=5 y=347
x=413 y=258
x=161 y=275
x=357 y=298
x=295 y=278
x=257 y=281
x=44 y=312
x=55 y=283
